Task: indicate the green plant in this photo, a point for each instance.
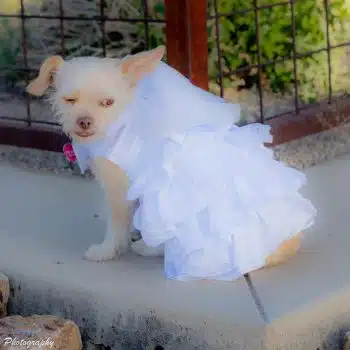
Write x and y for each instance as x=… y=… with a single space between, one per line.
x=156 y=31
x=239 y=46
x=10 y=49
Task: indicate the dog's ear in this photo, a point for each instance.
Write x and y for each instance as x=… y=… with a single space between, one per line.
x=45 y=78
x=136 y=66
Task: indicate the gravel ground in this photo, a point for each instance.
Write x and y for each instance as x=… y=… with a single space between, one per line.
x=301 y=153
x=38 y=160
x=315 y=149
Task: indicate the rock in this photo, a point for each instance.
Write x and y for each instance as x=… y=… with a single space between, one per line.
x=39 y=332
x=347 y=341
x=4 y=294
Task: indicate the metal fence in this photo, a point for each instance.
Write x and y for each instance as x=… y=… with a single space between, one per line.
x=301 y=116
x=191 y=27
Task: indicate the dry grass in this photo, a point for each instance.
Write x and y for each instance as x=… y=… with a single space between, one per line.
x=81 y=37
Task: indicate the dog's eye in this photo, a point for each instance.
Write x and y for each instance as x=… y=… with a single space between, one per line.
x=70 y=100
x=106 y=102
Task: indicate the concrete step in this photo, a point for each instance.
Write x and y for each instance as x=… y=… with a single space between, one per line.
x=307 y=300
x=47 y=222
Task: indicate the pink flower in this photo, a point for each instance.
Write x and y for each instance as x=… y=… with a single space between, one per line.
x=69 y=152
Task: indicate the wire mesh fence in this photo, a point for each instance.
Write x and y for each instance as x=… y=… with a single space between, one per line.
x=274 y=57
x=31 y=30
x=279 y=57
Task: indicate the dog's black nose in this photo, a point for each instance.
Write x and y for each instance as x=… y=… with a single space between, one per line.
x=85 y=123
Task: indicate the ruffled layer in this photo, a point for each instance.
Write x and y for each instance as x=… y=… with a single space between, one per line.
x=218 y=201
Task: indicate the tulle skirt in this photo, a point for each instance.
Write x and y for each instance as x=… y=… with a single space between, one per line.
x=218 y=201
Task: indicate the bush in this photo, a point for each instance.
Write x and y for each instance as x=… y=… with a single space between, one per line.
x=156 y=30
x=10 y=49
x=239 y=49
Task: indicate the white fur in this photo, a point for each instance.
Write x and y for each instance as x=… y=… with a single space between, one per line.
x=91 y=80
x=94 y=79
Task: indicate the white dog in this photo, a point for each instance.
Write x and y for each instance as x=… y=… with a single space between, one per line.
x=91 y=95
x=88 y=94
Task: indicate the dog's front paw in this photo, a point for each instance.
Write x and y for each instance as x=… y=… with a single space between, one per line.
x=100 y=252
x=139 y=247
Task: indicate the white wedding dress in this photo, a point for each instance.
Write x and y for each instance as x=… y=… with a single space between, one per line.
x=208 y=189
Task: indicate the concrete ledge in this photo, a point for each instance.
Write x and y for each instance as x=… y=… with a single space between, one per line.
x=307 y=300
x=47 y=221
x=46 y=224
